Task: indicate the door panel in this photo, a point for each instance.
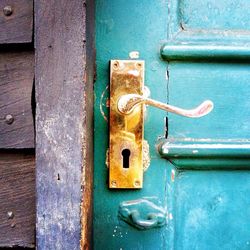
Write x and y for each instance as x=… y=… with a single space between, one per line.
x=211 y=210
x=227 y=84
x=122 y=27
x=218 y=15
x=198 y=176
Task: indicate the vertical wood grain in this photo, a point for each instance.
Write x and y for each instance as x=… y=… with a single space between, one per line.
x=64 y=84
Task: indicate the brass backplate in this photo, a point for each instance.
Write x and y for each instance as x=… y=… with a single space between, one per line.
x=126 y=131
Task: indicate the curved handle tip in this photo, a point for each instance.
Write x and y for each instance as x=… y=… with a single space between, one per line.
x=127 y=103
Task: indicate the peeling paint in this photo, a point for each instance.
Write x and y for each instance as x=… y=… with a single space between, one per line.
x=107 y=158
x=172 y=175
x=146 y=155
x=134 y=54
x=170 y=216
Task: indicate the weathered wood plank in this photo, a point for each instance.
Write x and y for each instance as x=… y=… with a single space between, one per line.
x=16 y=21
x=16 y=81
x=17 y=196
x=87 y=176
x=64 y=93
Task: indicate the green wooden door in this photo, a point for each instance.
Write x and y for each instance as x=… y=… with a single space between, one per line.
x=198 y=181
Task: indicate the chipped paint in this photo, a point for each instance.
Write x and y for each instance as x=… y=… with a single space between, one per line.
x=172 y=175
x=146 y=91
x=107 y=158
x=134 y=54
x=118 y=232
x=170 y=216
x=145 y=155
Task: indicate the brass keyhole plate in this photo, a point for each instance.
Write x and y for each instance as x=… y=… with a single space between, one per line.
x=126 y=131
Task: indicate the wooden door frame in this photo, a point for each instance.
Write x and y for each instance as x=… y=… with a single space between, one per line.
x=64 y=76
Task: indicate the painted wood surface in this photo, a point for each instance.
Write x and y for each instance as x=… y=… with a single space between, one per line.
x=204 y=190
x=123 y=27
x=192 y=21
x=17 y=197
x=16 y=85
x=16 y=21
x=205 y=52
x=64 y=84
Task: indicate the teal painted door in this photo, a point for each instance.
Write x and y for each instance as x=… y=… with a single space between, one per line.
x=198 y=183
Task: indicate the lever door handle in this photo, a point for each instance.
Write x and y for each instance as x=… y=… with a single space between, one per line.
x=127 y=153
x=127 y=103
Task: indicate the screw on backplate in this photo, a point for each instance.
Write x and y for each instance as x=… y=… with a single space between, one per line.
x=7 y=10
x=113 y=183
x=137 y=183
x=9 y=119
x=10 y=215
x=116 y=65
x=138 y=65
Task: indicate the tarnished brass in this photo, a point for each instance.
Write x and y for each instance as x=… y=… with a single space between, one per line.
x=126 y=131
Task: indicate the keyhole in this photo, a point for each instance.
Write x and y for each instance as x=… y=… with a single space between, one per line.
x=125 y=155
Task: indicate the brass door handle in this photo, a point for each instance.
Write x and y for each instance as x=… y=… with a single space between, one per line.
x=127 y=153
x=127 y=103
